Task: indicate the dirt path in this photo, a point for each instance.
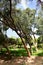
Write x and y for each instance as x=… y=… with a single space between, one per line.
x=23 y=61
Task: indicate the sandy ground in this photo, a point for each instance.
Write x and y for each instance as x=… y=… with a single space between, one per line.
x=22 y=61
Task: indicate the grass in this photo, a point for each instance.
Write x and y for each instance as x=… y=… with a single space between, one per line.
x=38 y=53
x=15 y=52
x=22 y=52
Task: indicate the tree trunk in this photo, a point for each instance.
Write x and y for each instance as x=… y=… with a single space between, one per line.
x=9 y=54
x=35 y=43
x=25 y=47
x=36 y=46
x=30 y=49
x=6 y=48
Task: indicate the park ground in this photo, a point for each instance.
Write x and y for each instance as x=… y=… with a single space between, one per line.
x=19 y=57
x=33 y=60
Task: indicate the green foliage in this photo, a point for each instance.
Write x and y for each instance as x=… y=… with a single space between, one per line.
x=40 y=39
x=19 y=42
x=2 y=38
x=12 y=41
x=39 y=53
x=25 y=18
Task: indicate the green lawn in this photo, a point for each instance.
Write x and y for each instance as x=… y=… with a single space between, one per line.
x=38 y=53
x=22 y=52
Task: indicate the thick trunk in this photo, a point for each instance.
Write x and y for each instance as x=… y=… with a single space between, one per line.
x=28 y=52
x=35 y=43
x=9 y=54
x=6 y=48
x=35 y=46
x=25 y=47
x=30 y=49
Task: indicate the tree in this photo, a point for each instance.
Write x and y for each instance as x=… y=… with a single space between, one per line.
x=15 y=19
x=8 y=20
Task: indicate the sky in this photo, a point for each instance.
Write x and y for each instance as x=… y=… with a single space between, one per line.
x=25 y=4
x=22 y=5
x=11 y=33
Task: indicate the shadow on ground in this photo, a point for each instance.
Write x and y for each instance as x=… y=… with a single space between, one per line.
x=33 y=60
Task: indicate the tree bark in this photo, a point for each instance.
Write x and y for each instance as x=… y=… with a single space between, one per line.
x=10 y=7
x=35 y=43
x=30 y=49
x=25 y=47
x=6 y=48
